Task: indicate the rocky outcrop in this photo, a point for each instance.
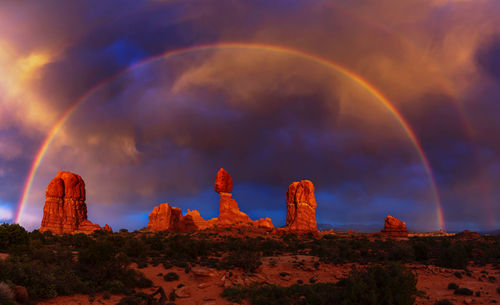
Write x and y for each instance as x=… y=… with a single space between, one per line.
x=65 y=210
x=229 y=212
x=223 y=182
x=394 y=227
x=107 y=228
x=301 y=207
x=165 y=217
x=468 y=235
x=193 y=221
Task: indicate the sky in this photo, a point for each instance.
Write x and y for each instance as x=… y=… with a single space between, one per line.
x=389 y=107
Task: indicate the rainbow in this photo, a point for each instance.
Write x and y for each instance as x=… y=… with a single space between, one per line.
x=236 y=45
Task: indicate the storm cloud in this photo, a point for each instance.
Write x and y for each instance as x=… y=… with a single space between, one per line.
x=159 y=129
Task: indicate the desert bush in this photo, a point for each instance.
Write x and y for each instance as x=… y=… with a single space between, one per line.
x=138 y=298
x=452 y=286
x=377 y=285
x=443 y=302
x=246 y=260
x=453 y=255
x=6 y=294
x=463 y=291
x=12 y=235
x=171 y=276
x=421 y=251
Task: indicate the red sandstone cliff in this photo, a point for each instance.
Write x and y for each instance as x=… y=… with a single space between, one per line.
x=301 y=207
x=65 y=210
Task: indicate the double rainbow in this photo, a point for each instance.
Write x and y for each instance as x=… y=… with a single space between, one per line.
x=255 y=46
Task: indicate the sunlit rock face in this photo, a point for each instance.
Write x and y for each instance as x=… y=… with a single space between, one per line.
x=65 y=210
x=165 y=217
x=394 y=227
x=301 y=207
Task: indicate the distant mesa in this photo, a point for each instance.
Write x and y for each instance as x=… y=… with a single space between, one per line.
x=65 y=210
x=394 y=227
x=301 y=207
x=166 y=217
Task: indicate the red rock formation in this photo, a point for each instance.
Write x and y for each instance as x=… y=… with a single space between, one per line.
x=193 y=221
x=65 y=210
x=107 y=228
x=229 y=213
x=165 y=217
x=264 y=223
x=301 y=207
x=394 y=227
x=169 y=218
x=468 y=235
x=223 y=182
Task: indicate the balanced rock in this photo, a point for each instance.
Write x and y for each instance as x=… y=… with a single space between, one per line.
x=223 y=182
x=394 y=227
x=165 y=217
x=65 y=210
x=301 y=207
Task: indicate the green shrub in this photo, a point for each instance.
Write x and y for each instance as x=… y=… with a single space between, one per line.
x=171 y=276
x=454 y=255
x=12 y=235
x=452 y=286
x=245 y=260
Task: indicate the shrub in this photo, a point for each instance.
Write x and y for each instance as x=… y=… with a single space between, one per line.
x=452 y=286
x=246 y=260
x=421 y=251
x=463 y=291
x=458 y=275
x=377 y=285
x=443 y=302
x=12 y=235
x=6 y=293
x=171 y=276
x=453 y=256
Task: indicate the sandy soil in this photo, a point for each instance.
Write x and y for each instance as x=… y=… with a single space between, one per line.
x=206 y=290
x=4 y=255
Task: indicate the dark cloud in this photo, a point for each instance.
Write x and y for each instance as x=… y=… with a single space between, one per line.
x=161 y=130
x=488 y=57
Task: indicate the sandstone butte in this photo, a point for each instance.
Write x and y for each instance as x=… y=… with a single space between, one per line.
x=301 y=207
x=65 y=210
x=394 y=227
x=166 y=217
